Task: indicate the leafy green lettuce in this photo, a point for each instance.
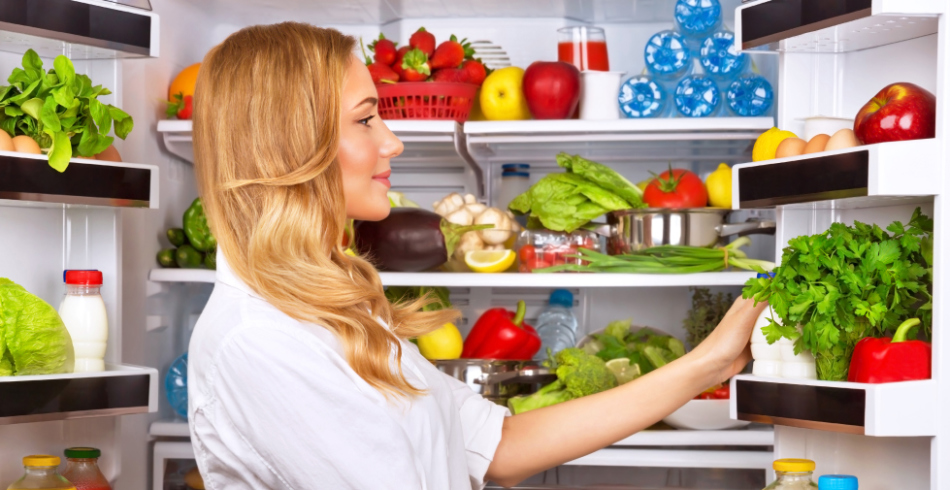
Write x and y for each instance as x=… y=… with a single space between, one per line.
x=33 y=338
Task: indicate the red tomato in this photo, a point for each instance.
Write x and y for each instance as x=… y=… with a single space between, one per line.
x=721 y=393
x=527 y=253
x=681 y=190
x=704 y=396
x=538 y=263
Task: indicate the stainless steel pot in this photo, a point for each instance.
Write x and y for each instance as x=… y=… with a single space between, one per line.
x=498 y=380
x=631 y=230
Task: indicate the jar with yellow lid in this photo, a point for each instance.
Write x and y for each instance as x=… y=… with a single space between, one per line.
x=793 y=474
x=41 y=473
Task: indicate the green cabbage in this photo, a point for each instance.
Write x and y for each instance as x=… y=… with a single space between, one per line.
x=33 y=338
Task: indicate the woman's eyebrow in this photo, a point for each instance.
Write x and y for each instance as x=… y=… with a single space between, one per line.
x=368 y=100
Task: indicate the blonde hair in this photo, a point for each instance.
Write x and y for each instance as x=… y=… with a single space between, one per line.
x=266 y=134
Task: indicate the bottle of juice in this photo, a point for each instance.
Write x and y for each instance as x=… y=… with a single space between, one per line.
x=41 y=474
x=82 y=469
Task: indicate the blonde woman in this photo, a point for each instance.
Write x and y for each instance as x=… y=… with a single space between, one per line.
x=300 y=373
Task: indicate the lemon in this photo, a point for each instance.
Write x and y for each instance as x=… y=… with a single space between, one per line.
x=719 y=187
x=442 y=343
x=489 y=260
x=767 y=143
x=622 y=370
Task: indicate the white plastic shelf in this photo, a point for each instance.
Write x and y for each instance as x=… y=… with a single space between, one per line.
x=760 y=436
x=881 y=171
x=27 y=179
x=907 y=408
x=776 y=25
x=119 y=390
x=169 y=428
x=677 y=458
x=181 y=275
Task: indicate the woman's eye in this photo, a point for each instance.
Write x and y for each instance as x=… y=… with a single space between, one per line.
x=365 y=121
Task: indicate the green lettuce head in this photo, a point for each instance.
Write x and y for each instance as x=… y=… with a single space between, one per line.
x=33 y=338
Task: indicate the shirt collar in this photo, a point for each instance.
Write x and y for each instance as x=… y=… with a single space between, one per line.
x=225 y=275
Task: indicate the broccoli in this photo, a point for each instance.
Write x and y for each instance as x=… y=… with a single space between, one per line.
x=578 y=374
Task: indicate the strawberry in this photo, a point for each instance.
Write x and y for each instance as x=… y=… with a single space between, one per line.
x=415 y=66
x=382 y=73
x=449 y=75
x=474 y=71
x=423 y=41
x=397 y=63
x=384 y=50
x=451 y=53
x=181 y=107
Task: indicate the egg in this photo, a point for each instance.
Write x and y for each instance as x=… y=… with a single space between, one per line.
x=6 y=142
x=790 y=147
x=110 y=154
x=844 y=138
x=25 y=144
x=817 y=143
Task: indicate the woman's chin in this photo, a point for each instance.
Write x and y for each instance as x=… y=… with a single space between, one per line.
x=371 y=212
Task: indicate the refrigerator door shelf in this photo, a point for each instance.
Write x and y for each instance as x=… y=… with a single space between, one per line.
x=119 y=390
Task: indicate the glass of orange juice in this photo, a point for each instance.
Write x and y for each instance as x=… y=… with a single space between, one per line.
x=584 y=47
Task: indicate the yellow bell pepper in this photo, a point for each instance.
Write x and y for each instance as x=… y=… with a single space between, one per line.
x=443 y=343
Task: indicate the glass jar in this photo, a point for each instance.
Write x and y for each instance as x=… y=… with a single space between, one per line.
x=584 y=47
x=82 y=469
x=538 y=249
x=793 y=474
x=40 y=473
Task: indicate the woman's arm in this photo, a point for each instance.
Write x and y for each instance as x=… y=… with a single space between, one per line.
x=540 y=439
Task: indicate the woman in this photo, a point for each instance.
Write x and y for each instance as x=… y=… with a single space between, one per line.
x=300 y=372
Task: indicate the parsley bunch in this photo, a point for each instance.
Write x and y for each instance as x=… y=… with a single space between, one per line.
x=849 y=283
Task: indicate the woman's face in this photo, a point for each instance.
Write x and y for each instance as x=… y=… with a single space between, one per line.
x=366 y=146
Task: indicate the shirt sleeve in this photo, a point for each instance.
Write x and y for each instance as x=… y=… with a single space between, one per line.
x=283 y=401
x=482 y=421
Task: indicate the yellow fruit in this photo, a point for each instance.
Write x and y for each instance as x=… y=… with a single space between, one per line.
x=767 y=143
x=622 y=370
x=719 y=187
x=501 y=98
x=643 y=184
x=489 y=260
x=443 y=343
x=184 y=83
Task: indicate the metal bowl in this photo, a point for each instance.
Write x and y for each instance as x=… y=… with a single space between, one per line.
x=496 y=379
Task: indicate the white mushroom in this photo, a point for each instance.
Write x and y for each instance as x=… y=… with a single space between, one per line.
x=469 y=242
x=448 y=204
x=470 y=198
x=460 y=216
x=476 y=208
x=502 y=230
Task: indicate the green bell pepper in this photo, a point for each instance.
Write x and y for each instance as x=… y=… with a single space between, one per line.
x=196 y=228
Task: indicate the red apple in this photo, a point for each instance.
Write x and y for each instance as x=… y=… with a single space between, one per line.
x=900 y=111
x=552 y=89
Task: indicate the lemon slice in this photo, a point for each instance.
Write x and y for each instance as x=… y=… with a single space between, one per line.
x=489 y=260
x=622 y=370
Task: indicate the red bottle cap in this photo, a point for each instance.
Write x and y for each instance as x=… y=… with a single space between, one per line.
x=84 y=278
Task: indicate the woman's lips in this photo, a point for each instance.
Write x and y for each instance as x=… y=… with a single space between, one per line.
x=383 y=178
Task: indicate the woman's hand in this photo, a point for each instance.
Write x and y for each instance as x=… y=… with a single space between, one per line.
x=727 y=349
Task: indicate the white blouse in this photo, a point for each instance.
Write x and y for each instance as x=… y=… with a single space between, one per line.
x=272 y=403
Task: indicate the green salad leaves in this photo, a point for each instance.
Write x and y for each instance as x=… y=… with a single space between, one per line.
x=33 y=338
x=60 y=110
x=848 y=283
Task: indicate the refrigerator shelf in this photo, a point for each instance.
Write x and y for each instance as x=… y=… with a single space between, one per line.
x=854 y=408
x=169 y=428
x=510 y=280
x=27 y=179
x=832 y=26
x=678 y=458
x=119 y=390
x=873 y=173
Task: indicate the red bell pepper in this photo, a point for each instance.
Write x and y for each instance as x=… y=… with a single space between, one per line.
x=886 y=360
x=502 y=334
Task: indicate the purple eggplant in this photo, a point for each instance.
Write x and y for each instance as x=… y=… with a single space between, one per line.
x=409 y=240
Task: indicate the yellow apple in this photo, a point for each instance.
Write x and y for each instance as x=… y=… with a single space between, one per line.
x=502 y=98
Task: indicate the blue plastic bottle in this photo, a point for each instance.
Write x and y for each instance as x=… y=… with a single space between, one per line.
x=667 y=56
x=720 y=58
x=697 y=19
x=697 y=96
x=557 y=325
x=837 y=482
x=642 y=97
x=176 y=385
x=750 y=96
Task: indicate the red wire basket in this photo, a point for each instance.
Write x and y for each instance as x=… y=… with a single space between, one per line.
x=426 y=100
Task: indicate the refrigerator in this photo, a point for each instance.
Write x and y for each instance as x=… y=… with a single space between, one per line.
x=823 y=58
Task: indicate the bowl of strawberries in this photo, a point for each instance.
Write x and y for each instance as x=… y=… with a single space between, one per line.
x=424 y=80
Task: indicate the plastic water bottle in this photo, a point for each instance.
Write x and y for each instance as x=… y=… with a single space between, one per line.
x=176 y=386
x=837 y=482
x=697 y=19
x=697 y=96
x=641 y=97
x=666 y=55
x=750 y=96
x=557 y=325
x=720 y=59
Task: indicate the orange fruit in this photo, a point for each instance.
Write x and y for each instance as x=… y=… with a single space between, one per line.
x=184 y=83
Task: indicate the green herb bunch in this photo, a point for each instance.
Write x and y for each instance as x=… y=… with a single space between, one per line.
x=60 y=110
x=707 y=311
x=849 y=283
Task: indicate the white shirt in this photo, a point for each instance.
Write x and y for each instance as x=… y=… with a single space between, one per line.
x=272 y=403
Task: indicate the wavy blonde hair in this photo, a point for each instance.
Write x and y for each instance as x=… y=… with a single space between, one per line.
x=266 y=134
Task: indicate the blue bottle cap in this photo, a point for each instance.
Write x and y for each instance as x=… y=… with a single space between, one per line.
x=696 y=96
x=515 y=167
x=837 y=482
x=720 y=58
x=641 y=96
x=666 y=55
x=562 y=297
x=515 y=174
x=697 y=17
x=761 y=275
x=750 y=96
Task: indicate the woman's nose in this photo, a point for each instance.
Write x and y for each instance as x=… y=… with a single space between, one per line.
x=392 y=146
